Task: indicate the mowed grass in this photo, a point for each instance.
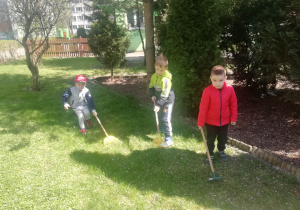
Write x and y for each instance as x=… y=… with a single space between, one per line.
x=45 y=163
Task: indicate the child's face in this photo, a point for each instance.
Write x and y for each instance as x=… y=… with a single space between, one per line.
x=159 y=70
x=80 y=85
x=218 y=80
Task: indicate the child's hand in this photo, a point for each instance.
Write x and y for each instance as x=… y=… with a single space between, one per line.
x=153 y=98
x=156 y=108
x=233 y=123
x=66 y=106
x=95 y=114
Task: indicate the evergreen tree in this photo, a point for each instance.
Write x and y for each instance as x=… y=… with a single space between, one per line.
x=189 y=37
x=109 y=42
x=81 y=32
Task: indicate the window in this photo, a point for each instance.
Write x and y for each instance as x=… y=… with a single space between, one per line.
x=78 y=9
x=74 y=18
x=80 y=26
x=132 y=18
x=88 y=26
x=73 y=9
x=79 y=17
x=74 y=27
x=88 y=9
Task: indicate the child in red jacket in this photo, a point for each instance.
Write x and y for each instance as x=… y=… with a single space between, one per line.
x=217 y=109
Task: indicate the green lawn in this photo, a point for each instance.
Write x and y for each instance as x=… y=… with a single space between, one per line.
x=45 y=163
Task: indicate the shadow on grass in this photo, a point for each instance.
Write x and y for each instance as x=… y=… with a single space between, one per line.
x=176 y=172
x=88 y=63
x=19 y=146
x=29 y=111
x=156 y=169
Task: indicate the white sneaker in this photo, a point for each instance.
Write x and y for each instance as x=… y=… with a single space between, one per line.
x=167 y=143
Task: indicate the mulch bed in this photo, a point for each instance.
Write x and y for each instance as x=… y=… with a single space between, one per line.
x=270 y=123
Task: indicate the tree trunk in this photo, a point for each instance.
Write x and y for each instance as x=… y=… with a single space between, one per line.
x=140 y=32
x=34 y=69
x=35 y=78
x=111 y=73
x=149 y=32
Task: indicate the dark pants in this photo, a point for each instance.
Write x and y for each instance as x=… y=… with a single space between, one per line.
x=221 y=133
x=165 y=115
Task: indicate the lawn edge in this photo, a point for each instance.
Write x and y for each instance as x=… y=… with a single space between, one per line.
x=275 y=162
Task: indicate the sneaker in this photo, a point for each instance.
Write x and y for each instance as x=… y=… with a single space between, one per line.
x=168 y=142
x=207 y=161
x=223 y=156
x=89 y=122
x=83 y=131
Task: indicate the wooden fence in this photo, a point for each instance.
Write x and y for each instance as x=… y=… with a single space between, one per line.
x=66 y=48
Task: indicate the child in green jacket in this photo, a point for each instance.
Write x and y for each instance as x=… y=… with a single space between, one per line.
x=163 y=96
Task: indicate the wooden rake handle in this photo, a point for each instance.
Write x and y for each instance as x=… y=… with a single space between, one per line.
x=101 y=126
x=156 y=117
x=207 y=151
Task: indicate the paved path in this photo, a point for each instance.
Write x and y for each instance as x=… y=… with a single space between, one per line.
x=135 y=55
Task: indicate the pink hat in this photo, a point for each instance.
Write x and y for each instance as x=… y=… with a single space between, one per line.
x=80 y=78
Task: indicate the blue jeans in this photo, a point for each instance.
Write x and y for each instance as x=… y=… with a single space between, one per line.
x=165 y=116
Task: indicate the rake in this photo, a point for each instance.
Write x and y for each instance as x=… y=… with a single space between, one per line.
x=107 y=139
x=210 y=163
x=158 y=139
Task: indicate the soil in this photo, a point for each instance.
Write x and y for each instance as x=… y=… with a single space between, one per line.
x=271 y=123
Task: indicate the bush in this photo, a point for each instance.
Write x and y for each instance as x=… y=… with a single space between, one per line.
x=81 y=32
x=262 y=37
x=189 y=37
x=9 y=50
x=109 y=43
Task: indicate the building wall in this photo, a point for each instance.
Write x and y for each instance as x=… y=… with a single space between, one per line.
x=79 y=9
x=5 y=24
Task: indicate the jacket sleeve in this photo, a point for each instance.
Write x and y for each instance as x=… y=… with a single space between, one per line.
x=203 y=108
x=65 y=96
x=233 y=107
x=90 y=101
x=151 y=87
x=166 y=88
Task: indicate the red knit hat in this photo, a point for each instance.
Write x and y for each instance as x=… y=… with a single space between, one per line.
x=80 y=78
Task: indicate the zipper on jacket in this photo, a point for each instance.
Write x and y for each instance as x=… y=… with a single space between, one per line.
x=220 y=107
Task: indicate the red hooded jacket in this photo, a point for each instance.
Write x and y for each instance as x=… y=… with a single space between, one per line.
x=217 y=107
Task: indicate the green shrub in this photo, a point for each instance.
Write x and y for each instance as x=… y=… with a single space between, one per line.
x=81 y=32
x=262 y=37
x=189 y=37
x=109 y=43
x=9 y=44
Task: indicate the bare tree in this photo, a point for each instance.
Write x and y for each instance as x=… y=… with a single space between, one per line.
x=36 y=20
x=149 y=32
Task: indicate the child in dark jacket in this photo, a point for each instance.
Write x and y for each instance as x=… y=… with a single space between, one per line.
x=79 y=98
x=217 y=109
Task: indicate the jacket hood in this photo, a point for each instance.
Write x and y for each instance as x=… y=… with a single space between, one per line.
x=166 y=74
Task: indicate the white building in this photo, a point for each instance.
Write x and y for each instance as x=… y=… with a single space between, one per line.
x=79 y=9
x=5 y=24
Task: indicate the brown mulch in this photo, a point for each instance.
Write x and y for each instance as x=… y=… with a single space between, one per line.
x=271 y=123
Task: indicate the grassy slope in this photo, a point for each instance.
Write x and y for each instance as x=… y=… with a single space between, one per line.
x=46 y=163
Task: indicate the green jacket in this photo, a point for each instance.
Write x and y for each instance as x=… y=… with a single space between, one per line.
x=161 y=88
